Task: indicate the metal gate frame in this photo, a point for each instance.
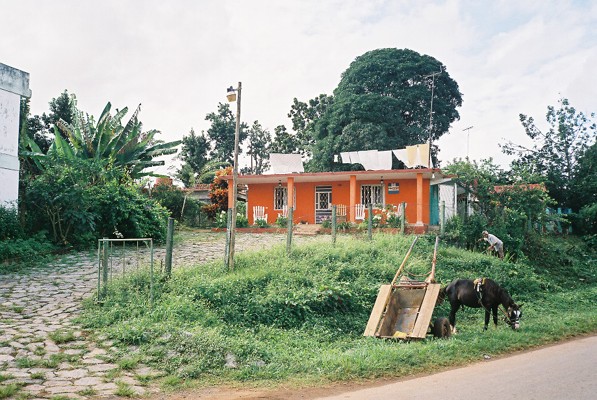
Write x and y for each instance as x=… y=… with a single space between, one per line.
x=105 y=259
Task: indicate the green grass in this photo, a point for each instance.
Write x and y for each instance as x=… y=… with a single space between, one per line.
x=88 y=392
x=8 y=390
x=124 y=389
x=301 y=318
x=62 y=336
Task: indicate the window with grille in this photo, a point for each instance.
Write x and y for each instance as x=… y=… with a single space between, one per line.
x=280 y=197
x=372 y=194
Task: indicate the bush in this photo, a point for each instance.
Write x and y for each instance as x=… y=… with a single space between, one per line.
x=10 y=227
x=181 y=206
x=82 y=201
x=24 y=251
x=282 y=221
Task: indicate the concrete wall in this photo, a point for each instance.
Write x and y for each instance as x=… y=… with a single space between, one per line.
x=13 y=84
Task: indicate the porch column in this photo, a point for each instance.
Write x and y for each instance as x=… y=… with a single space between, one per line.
x=419 y=199
x=353 y=197
x=230 y=194
x=290 y=190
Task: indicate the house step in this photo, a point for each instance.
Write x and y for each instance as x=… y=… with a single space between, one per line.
x=307 y=229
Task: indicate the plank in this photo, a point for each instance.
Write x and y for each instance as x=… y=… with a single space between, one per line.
x=426 y=311
x=383 y=297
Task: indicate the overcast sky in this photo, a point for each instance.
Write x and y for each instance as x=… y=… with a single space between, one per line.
x=177 y=57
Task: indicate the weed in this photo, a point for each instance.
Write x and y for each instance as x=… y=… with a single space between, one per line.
x=5 y=377
x=39 y=351
x=60 y=397
x=8 y=390
x=88 y=392
x=171 y=381
x=38 y=375
x=124 y=389
x=128 y=364
x=18 y=309
x=62 y=336
x=25 y=362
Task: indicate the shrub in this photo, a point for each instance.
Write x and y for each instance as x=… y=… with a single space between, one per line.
x=10 y=227
x=282 y=221
x=25 y=251
x=261 y=223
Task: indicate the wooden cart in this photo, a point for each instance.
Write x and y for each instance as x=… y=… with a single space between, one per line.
x=404 y=308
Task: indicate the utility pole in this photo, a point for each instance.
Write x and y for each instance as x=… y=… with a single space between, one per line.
x=432 y=76
x=232 y=227
x=467 y=138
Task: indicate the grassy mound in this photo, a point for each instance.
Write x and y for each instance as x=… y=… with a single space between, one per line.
x=301 y=318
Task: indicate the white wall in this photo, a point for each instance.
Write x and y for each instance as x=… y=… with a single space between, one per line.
x=13 y=84
x=9 y=147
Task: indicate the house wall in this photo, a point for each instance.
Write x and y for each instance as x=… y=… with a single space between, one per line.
x=263 y=195
x=13 y=84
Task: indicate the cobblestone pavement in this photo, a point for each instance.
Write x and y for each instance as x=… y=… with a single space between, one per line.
x=47 y=355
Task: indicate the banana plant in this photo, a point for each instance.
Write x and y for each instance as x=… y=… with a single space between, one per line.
x=127 y=147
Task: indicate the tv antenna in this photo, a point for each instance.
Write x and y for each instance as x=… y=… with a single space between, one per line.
x=467 y=130
x=432 y=76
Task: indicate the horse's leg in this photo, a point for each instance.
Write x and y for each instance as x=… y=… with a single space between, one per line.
x=494 y=309
x=452 y=317
x=486 y=319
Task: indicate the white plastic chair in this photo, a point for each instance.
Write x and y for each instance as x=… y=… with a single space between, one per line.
x=284 y=212
x=259 y=213
x=359 y=212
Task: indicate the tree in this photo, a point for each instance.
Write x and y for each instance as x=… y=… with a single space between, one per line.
x=126 y=147
x=259 y=148
x=304 y=116
x=194 y=156
x=221 y=133
x=383 y=102
x=284 y=142
x=63 y=107
x=556 y=152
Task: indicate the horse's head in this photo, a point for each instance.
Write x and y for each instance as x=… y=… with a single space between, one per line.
x=514 y=315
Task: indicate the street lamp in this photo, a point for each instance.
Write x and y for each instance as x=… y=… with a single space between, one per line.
x=233 y=95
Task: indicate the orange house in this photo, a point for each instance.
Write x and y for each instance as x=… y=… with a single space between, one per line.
x=314 y=194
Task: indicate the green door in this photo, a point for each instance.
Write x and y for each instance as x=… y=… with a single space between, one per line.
x=434 y=205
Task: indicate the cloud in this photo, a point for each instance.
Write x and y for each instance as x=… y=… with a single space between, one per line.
x=178 y=57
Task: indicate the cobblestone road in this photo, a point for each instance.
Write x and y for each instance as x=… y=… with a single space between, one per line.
x=44 y=353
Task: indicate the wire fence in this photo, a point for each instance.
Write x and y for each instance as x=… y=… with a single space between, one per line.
x=117 y=257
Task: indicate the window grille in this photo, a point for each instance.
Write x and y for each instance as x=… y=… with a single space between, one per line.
x=280 y=197
x=372 y=194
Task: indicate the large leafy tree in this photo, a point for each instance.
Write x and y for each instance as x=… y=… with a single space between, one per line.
x=124 y=146
x=284 y=142
x=383 y=102
x=221 y=133
x=304 y=116
x=556 y=152
x=259 y=148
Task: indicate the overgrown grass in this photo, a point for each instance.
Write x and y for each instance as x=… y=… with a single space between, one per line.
x=301 y=318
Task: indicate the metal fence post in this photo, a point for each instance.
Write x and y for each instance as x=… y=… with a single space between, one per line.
x=289 y=235
x=169 y=245
x=442 y=217
x=370 y=221
x=334 y=225
x=403 y=218
x=105 y=268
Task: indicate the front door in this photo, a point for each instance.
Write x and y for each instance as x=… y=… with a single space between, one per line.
x=323 y=203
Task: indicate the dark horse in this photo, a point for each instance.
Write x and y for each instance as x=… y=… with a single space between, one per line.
x=484 y=293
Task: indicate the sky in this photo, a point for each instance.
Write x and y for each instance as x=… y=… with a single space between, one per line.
x=177 y=57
